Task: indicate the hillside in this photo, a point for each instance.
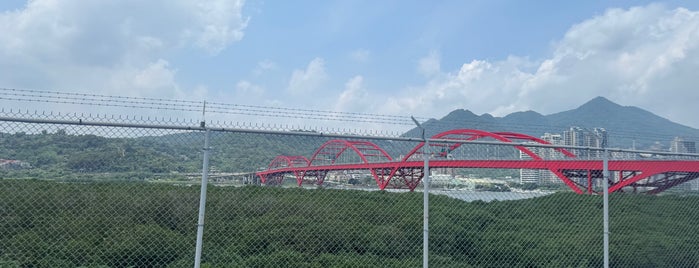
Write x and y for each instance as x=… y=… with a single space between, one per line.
x=625 y=125
x=59 y=152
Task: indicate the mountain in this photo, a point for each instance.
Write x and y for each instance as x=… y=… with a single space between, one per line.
x=626 y=126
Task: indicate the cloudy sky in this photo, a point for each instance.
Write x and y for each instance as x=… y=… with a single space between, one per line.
x=393 y=57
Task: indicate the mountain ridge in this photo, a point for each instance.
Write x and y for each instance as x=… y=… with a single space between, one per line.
x=627 y=126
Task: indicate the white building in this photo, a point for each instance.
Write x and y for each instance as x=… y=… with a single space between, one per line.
x=679 y=145
x=527 y=175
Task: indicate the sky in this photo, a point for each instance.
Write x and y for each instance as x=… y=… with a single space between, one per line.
x=390 y=57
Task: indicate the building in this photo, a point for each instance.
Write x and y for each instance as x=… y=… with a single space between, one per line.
x=679 y=145
x=597 y=139
x=551 y=153
x=577 y=136
x=555 y=139
x=527 y=175
x=574 y=136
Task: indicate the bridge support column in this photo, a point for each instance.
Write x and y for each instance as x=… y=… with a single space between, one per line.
x=299 y=177
x=319 y=176
x=410 y=177
x=383 y=176
x=275 y=179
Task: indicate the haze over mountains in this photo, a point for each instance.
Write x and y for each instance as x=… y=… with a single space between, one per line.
x=626 y=126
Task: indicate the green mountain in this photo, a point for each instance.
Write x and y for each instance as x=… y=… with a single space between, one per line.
x=136 y=157
x=626 y=126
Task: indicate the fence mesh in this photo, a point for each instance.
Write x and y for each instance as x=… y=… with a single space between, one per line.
x=74 y=194
x=93 y=196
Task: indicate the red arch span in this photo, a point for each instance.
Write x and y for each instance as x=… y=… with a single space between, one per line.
x=283 y=161
x=334 y=148
x=630 y=173
x=520 y=136
x=473 y=134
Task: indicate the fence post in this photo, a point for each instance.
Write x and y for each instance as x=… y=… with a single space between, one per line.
x=426 y=205
x=605 y=185
x=202 y=200
x=425 y=197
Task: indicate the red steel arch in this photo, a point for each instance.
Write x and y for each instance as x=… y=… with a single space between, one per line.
x=649 y=176
x=474 y=134
x=465 y=135
x=520 y=136
x=283 y=162
x=332 y=149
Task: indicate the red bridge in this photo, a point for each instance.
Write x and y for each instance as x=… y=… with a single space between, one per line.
x=638 y=175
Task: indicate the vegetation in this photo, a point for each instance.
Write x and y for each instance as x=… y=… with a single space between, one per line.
x=120 y=224
x=59 y=152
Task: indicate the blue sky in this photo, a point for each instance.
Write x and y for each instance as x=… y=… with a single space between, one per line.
x=422 y=58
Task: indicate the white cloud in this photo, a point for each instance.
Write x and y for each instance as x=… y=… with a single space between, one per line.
x=476 y=86
x=360 y=55
x=310 y=79
x=264 y=66
x=220 y=23
x=247 y=89
x=110 y=46
x=155 y=75
x=644 y=56
x=154 y=80
x=354 y=98
x=430 y=64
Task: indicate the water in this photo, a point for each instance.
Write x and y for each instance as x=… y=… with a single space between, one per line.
x=465 y=195
x=469 y=196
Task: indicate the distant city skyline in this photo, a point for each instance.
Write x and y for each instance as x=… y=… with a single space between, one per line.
x=593 y=138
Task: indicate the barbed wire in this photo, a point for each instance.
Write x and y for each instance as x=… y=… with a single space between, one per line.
x=100 y=100
x=195 y=106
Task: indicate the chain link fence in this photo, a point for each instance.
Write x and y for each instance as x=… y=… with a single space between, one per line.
x=81 y=191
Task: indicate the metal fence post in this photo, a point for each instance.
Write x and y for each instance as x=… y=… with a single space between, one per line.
x=425 y=197
x=202 y=200
x=605 y=185
x=426 y=206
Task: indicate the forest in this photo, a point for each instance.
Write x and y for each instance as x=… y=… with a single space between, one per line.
x=59 y=152
x=46 y=223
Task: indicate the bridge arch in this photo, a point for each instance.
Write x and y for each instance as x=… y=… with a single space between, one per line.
x=331 y=151
x=520 y=136
x=474 y=134
x=284 y=161
x=651 y=176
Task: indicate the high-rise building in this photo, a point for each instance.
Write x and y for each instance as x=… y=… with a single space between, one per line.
x=527 y=175
x=680 y=145
x=577 y=136
x=601 y=137
x=574 y=136
x=598 y=140
x=551 y=153
x=555 y=139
